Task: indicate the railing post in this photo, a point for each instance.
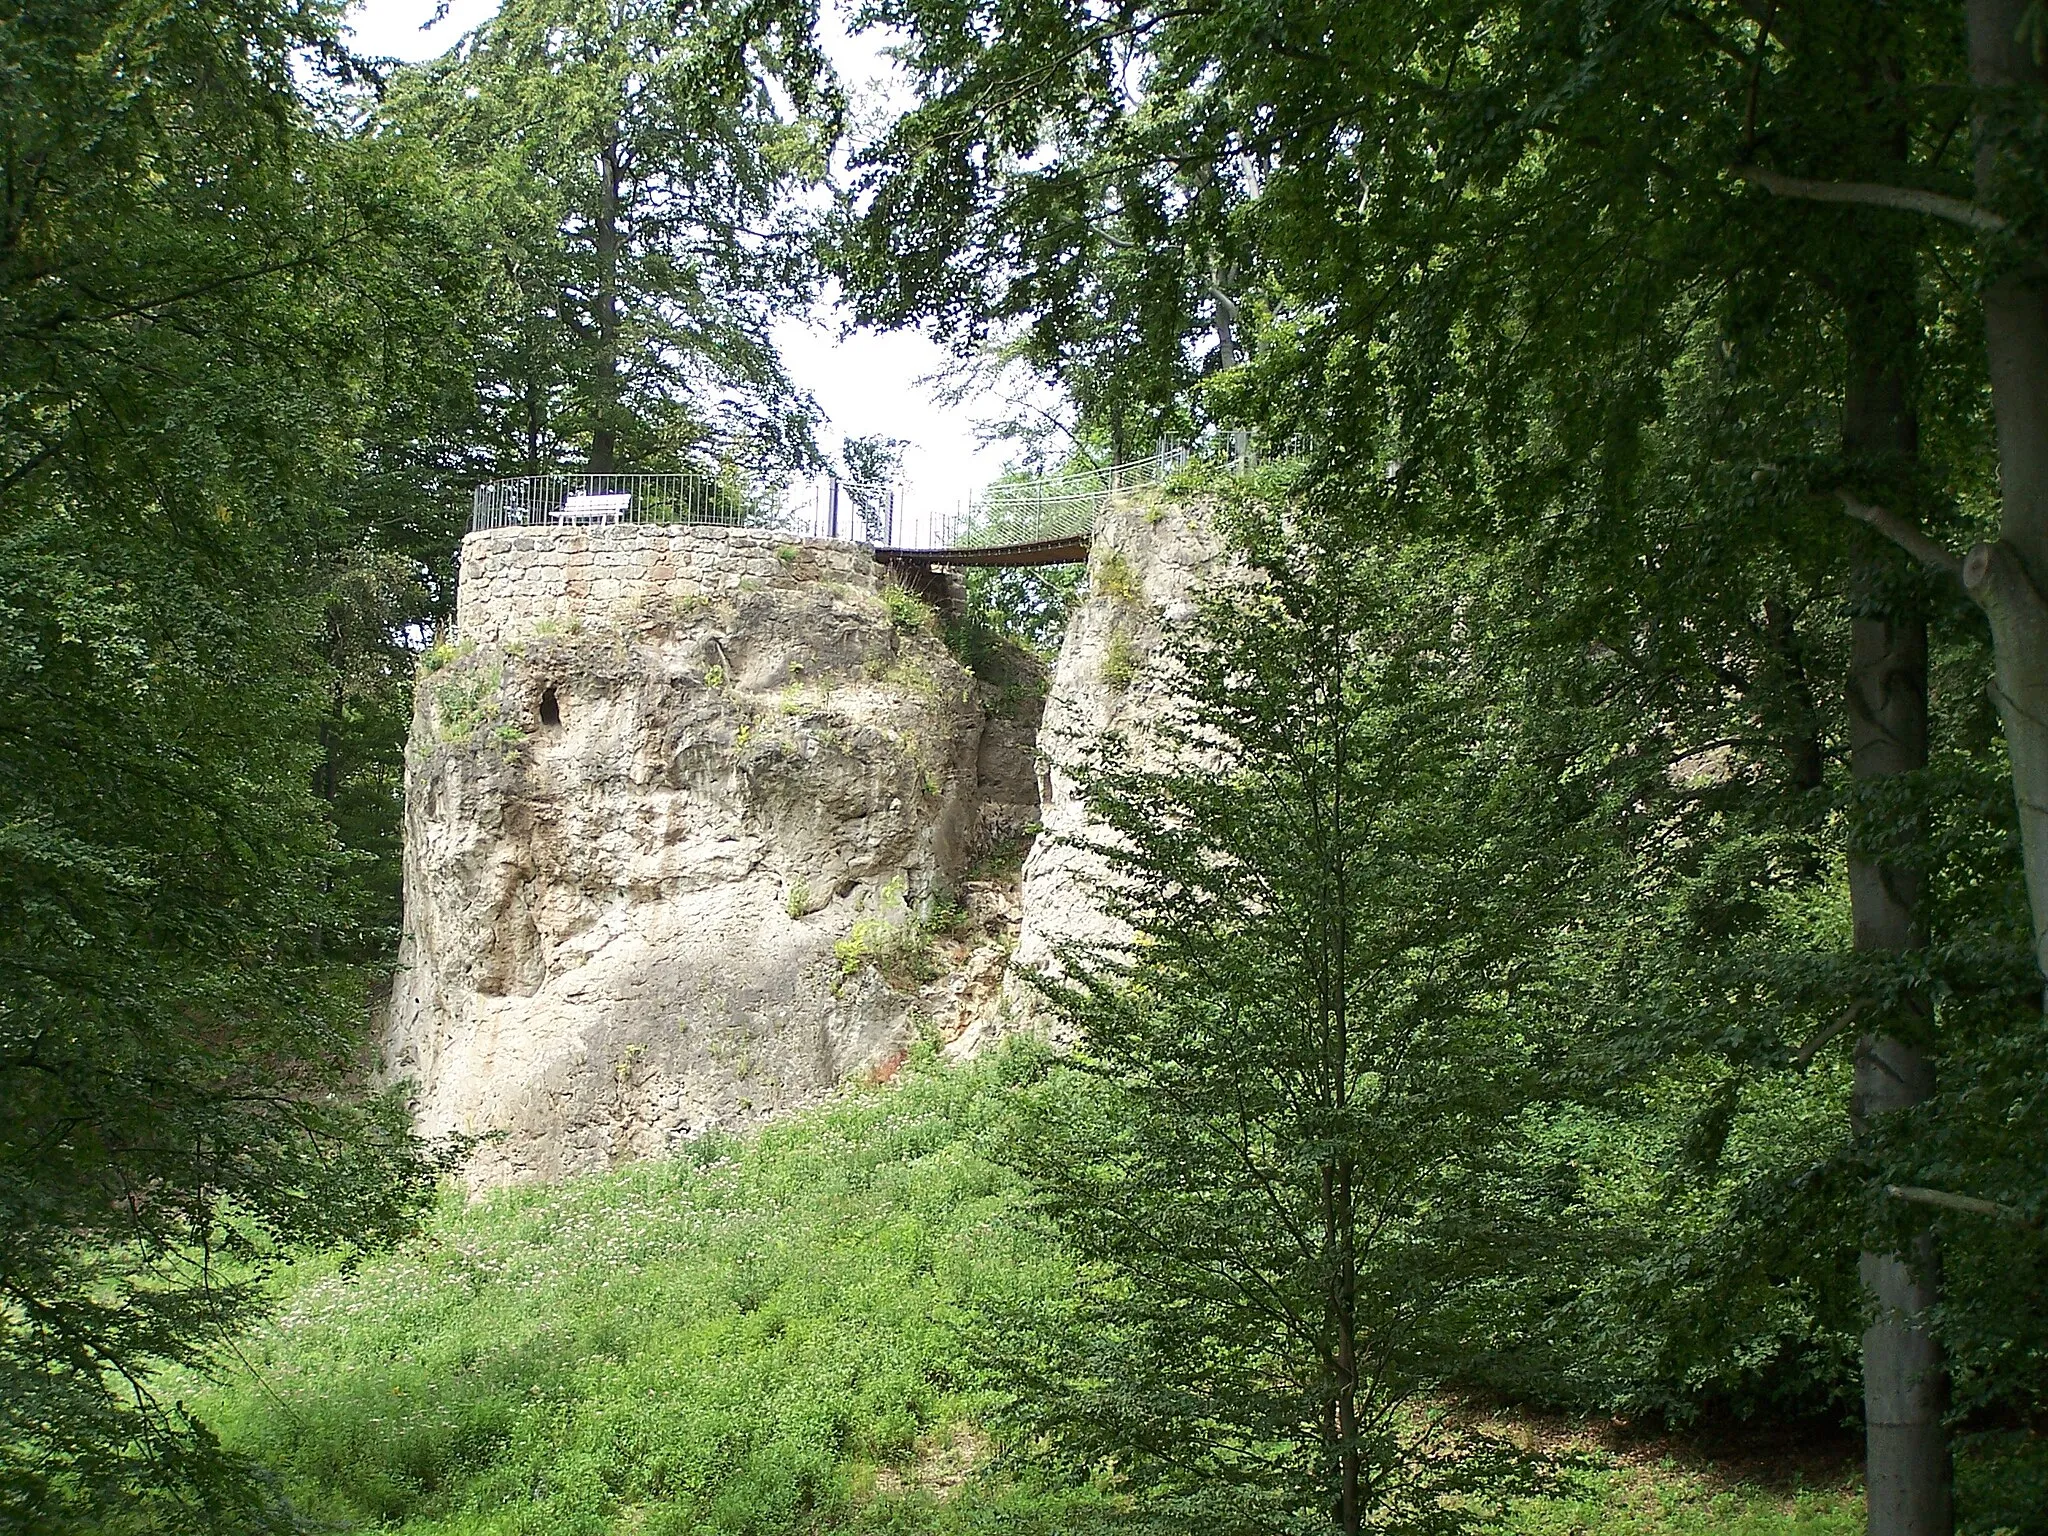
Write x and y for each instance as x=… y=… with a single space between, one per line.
x=832 y=511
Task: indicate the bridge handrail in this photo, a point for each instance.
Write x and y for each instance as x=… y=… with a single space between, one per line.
x=1058 y=506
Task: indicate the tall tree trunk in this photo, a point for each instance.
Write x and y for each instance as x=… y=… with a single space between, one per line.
x=604 y=425
x=1344 y=1276
x=1350 y=1493
x=1805 y=761
x=2009 y=577
x=1905 y=1381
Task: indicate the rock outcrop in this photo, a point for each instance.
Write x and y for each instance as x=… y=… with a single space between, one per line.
x=1149 y=559
x=701 y=823
x=679 y=806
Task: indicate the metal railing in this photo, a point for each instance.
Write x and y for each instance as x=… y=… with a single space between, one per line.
x=1044 y=509
x=1029 y=510
x=547 y=500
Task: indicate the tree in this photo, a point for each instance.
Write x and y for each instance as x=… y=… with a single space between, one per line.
x=1478 y=246
x=638 y=176
x=1299 y=1055
x=182 y=989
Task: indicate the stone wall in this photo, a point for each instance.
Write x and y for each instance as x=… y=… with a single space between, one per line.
x=515 y=580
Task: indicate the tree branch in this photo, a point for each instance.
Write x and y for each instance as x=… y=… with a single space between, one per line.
x=1803 y=1057
x=1968 y=1204
x=1936 y=557
x=1875 y=194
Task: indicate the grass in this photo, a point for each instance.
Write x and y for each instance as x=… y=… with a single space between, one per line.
x=752 y=1339
x=759 y=1338
x=1598 y=1499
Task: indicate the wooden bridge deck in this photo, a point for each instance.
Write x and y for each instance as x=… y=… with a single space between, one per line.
x=1070 y=550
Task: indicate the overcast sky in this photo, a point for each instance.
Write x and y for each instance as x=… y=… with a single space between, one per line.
x=866 y=383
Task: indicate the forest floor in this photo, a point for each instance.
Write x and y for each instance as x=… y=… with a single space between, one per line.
x=766 y=1337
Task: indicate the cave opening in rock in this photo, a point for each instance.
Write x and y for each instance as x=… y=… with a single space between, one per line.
x=550 y=706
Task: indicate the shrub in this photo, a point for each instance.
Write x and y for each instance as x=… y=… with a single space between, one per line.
x=1119 y=661
x=908 y=612
x=462 y=704
x=1113 y=578
x=440 y=654
x=901 y=951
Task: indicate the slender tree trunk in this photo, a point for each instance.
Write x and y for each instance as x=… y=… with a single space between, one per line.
x=1344 y=1278
x=1905 y=1380
x=1223 y=314
x=1351 y=1514
x=532 y=393
x=1805 y=762
x=604 y=427
x=2009 y=577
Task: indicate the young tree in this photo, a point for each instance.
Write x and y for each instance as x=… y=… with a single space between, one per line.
x=1299 y=1055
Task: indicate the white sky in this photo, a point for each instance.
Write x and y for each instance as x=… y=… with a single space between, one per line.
x=867 y=382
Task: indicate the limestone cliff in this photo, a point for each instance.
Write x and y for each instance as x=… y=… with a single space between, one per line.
x=1149 y=558
x=701 y=823
x=674 y=804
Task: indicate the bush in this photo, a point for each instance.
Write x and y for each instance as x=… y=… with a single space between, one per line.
x=908 y=612
x=1113 y=578
x=1119 y=661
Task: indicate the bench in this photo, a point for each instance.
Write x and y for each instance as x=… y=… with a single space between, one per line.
x=591 y=507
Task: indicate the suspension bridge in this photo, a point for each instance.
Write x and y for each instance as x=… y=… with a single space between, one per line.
x=1027 y=521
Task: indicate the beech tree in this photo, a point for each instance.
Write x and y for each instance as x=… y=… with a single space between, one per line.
x=1299 y=1056
x=197 y=280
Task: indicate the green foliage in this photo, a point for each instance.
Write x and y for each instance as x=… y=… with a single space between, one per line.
x=1111 y=576
x=763 y=1336
x=204 y=674
x=441 y=654
x=908 y=613
x=464 y=702
x=1493 y=262
x=1301 y=1058
x=1604 y=1501
x=628 y=189
x=1120 y=660
x=755 y=1338
x=1028 y=604
x=901 y=949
